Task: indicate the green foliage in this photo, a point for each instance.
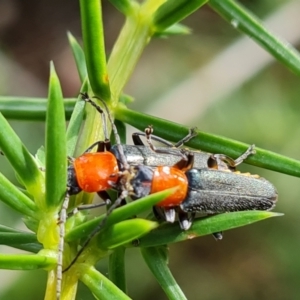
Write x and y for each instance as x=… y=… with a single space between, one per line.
x=45 y=189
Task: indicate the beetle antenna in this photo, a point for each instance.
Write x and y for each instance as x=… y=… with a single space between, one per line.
x=116 y=134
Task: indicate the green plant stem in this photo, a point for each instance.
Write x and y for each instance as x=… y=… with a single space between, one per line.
x=126 y=52
x=21 y=160
x=119 y=214
x=56 y=153
x=172 y=12
x=31 y=247
x=209 y=142
x=157 y=261
x=171 y=233
x=30 y=109
x=11 y=238
x=100 y=286
x=248 y=23
x=116 y=268
x=69 y=287
x=13 y=197
x=26 y=261
x=124 y=6
x=79 y=57
x=94 y=49
x=133 y=38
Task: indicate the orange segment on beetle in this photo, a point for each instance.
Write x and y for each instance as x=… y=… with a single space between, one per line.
x=96 y=171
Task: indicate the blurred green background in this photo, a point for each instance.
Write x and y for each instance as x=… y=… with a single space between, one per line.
x=215 y=79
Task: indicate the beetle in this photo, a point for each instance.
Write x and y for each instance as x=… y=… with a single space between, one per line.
x=205 y=190
x=208 y=183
